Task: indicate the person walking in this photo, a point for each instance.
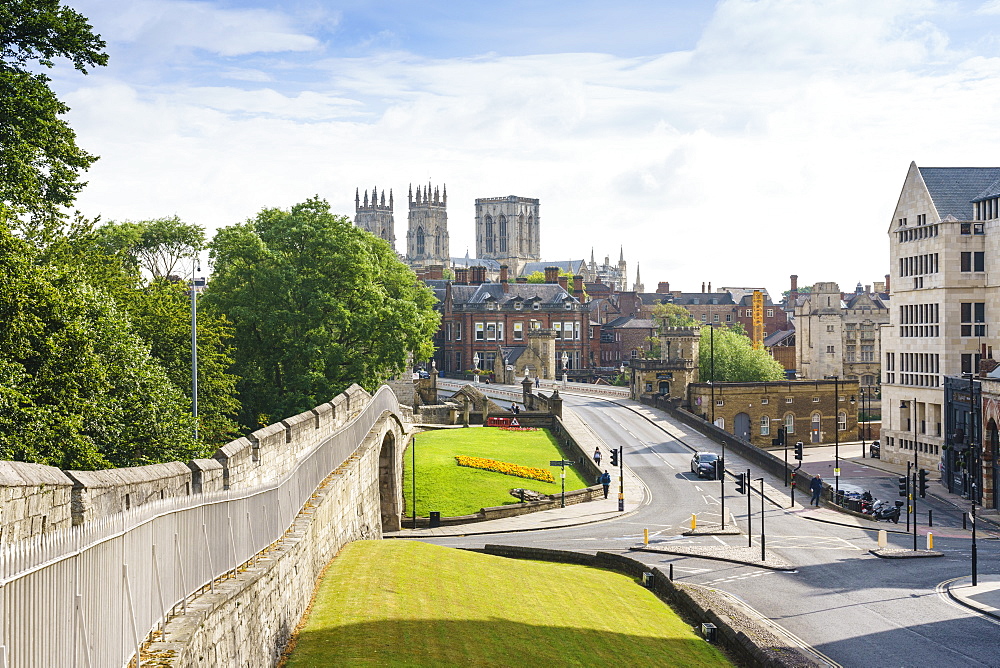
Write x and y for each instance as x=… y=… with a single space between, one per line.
x=597 y=456
x=538 y=383
x=816 y=487
x=605 y=480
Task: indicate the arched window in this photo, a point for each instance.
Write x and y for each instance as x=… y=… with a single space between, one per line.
x=817 y=421
x=841 y=421
x=529 y=233
x=765 y=426
x=488 y=237
x=420 y=241
x=503 y=234
x=520 y=232
x=789 y=423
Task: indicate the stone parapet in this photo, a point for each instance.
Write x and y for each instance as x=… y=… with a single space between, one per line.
x=34 y=499
x=98 y=494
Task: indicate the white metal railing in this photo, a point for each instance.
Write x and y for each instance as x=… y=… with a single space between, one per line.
x=89 y=596
x=579 y=388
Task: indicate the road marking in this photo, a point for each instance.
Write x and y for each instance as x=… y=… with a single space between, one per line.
x=698 y=488
x=722 y=542
x=942 y=592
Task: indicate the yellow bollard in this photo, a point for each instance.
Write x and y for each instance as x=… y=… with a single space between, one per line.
x=645 y=536
x=930 y=541
x=883 y=538
x=694 y=521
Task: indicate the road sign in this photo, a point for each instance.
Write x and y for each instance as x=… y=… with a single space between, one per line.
x=560 y=462
x=515 y=423
x=836 y=473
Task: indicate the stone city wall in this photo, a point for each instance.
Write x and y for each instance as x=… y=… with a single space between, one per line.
x=38 y=499
x=248 y=620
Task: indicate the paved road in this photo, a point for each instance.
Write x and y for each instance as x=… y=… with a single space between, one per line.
x=853 y=607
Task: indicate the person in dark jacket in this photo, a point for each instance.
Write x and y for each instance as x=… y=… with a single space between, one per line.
x=605 y=480
x=816 y=487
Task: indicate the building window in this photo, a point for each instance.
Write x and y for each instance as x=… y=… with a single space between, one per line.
x=518 y=306
x=789 y=423
x=764 y=402
x=973 y=319
x=458 y=331
x=518 y=331
x=970 y=362
x=704 y=317
x=491 y=331
x=829 y=328
x=715 y=317
x=867 y=353
x=729 y=317
x=720 y=402
x=635 y=353
x=817 y=421
x=770 y=313
x=815 y=400
x=720 y=422
x=973 y=261
x=480 y=331
x=535 y=306
x=789 y=400
x=830 y=349
x=765 y=426
x=488 y=237
x=420 y=241
x=841 y=421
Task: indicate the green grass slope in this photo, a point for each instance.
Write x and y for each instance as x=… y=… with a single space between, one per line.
x=402 y=603
x=450 y=489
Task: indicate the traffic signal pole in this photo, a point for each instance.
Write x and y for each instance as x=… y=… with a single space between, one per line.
x=749 y=513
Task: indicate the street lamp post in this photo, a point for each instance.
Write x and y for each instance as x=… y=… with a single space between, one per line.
x=711 y=339
x=916 y=467
x=974 y=474
x=836 y=435
x=861 y=390
x=475 y=369
x=565 y=361
x=194 y=343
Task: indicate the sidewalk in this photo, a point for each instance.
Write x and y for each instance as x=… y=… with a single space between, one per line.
x=984 y=597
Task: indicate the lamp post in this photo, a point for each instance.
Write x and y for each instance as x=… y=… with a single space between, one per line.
x=974 y=474
x=836 y=435
x=711 y=339
x=916 y=468
x=565 y=361
x=861 y=390
x=194 y=342
x=621 y=369
x=475 y=369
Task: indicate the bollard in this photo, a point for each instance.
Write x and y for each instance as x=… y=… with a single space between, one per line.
x=645 y=536
x=930 y=518
x=883 y=538
x=963 y=521
x=671 y=572
x=694 y=521
x=930 y=541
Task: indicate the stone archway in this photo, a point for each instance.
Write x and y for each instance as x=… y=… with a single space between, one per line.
x=389 y=482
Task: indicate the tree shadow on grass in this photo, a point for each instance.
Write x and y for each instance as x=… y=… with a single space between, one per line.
x=496 y=642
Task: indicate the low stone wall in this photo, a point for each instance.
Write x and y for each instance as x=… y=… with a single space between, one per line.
x=746 y=639
x=34 y=499
x=101 y=493
x=248 y=620
x=550 y=502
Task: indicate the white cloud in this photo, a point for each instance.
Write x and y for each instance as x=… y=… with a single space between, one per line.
x=777 y=146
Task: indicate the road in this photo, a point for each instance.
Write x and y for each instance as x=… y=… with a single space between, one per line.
x=849 y=605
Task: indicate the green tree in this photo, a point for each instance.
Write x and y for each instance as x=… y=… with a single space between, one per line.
x=162 y=247
x=40 y=162
x=672 y=315
x=316 y=304
x=78 y=387
x=735 y=358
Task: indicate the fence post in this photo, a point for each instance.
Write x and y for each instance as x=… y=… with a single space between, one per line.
x=180 y=568
x=208 y=553
x=131 y=612
x=159 y=596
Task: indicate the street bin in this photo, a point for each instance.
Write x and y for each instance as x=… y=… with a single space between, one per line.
x=435 y=519
x=647 y=580
x=708 y=632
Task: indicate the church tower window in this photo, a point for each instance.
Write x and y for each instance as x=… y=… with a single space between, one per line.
x=420 y=241
x=503 y=234
x=489 y=234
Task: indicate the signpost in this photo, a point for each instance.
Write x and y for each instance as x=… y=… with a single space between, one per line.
x=562 y=463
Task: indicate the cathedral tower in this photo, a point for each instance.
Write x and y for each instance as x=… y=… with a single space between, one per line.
x=427 y=236
x=507 y=231
x=375 y=217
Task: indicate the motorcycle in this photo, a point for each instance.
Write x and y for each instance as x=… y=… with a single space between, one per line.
x=880 y=510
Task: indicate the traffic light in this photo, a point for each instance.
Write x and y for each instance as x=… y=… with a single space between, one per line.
x=614 y=457
x=922 y=482
x=798 y=450
x=781 y=435
x=741 y=483
x=719 y=468
x=902 y=486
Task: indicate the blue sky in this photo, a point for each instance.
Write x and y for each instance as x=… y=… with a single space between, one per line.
x=734 y=142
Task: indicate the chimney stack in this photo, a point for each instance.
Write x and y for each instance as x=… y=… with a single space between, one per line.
x=710 y=286
x=578 y=287
x=478 y=275
x=551 y=274
x=703 y=287
x=887 y=289
x=461 y=275
x=564 y=283
x=504 y=281
x=793 y=293
x=435 y=272
x=663 y=288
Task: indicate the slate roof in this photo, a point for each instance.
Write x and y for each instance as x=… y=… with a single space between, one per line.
x=549 y=295
x=691 y=298
x=954 y=189
x=630 y=322
x=573 y=266
x=855 y=298
x=775 y=338
x=491 y=265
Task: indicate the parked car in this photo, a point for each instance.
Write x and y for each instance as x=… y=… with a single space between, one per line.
x=423 y=373
x=875 y=450
x=703 y=464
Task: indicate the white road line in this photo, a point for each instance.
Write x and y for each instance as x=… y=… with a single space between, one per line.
x=722 y=542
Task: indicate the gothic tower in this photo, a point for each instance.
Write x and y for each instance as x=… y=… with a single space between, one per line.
x=375 y=217
x=507 y=231
x=427 y=236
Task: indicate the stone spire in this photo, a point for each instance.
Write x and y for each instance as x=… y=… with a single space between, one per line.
x=638 y=286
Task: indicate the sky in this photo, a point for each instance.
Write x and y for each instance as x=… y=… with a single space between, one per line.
x=732 y=143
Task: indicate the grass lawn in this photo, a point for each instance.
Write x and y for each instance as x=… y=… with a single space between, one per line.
x=402 y=603
x=446 y=487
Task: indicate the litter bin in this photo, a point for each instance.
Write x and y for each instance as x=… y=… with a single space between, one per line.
x=708 y=632
x=435 y=520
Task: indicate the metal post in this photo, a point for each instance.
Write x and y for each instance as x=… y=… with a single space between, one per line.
x=763 y=556
x=909 y=465
x=749 y=514
x=975 y=553
x=975 y=477
x=621 y=479
x=785 y=439
x=836 y=435
x=914 y=494
x=916 y=467
x=862 y=392
x=722 y=484
x=413 y=472
x=194 y=346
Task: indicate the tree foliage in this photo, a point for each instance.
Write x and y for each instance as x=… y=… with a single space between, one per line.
x=672 y=315
x=78 y=387
x=316 y=304
x=736 y=361
x=39 y=159
x=163 y=247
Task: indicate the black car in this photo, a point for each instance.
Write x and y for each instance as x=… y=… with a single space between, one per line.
x=703 y=464
x=875 y=450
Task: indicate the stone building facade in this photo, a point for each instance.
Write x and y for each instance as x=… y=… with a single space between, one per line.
x=808 y=410
x=507 y=230
x=375 y=216
x=942 y=237
x=838 y=335
x=676 y=369
x=427 y=228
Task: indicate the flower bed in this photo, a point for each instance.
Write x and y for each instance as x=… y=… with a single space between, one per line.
x=518 y=428
x=506 y=468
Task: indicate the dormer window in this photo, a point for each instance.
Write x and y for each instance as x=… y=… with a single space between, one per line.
x=518 y=306
x=568 y=305
x=535 y=306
